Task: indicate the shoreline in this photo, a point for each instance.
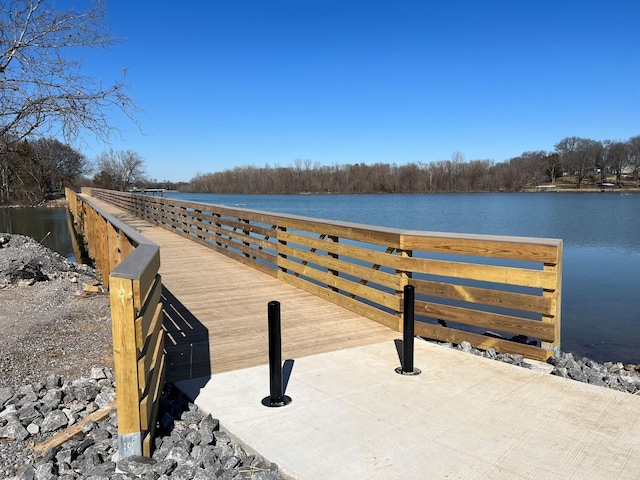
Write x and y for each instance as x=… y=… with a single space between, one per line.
x=62 y=202
x=57 y=203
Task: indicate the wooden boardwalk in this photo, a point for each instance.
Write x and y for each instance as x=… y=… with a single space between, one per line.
x=216 y=310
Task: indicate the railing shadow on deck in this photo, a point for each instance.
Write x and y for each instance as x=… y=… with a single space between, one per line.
x=186 y=342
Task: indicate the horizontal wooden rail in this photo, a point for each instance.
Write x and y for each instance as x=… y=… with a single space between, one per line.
x=493 y=291
x=128 y=264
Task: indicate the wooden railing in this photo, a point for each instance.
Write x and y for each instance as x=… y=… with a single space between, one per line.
x=128 y=265
x=495 y=292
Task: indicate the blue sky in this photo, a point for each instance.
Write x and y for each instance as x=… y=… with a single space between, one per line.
x=252 y=82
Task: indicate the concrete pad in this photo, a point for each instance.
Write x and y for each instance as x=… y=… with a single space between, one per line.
x=464 y=416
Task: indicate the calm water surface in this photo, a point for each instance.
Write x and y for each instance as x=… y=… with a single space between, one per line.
x=47 y=225
x=601 y=234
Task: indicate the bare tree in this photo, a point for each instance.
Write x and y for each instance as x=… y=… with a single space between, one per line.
x=119 y=170
x=536 y=166
x=634 y=157
x=552 y=165
x=62 y=165
x=577 y=155
x=616 y=157
x=594 y=154
x=42 y=87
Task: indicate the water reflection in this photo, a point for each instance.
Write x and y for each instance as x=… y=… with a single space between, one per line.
x=48 y=226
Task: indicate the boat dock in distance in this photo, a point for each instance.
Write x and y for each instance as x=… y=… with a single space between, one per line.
x=156 y=192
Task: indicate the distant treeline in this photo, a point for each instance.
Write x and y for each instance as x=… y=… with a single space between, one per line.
x=585 y=161
x=303 y=177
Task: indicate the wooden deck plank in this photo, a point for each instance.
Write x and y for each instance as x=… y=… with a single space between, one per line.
x=220 y=310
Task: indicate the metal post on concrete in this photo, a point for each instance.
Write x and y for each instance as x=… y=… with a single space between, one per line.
x=408 y=315
x=276 y=397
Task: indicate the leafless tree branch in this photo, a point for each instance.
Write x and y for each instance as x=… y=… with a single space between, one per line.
x=42 y=87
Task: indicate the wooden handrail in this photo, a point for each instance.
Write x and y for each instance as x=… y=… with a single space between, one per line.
x=494 y=291
x=129 y=265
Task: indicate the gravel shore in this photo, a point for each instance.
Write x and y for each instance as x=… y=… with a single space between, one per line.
x=56 y=369
x=49 y=323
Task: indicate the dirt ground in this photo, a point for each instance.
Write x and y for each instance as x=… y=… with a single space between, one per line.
x=49 y=323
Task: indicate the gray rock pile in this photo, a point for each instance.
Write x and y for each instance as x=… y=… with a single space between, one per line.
x=625 y=378
x=511 y=358
x=25 y=261
x=33 y=412
x=189 y=445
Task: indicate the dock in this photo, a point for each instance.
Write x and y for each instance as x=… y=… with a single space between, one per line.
x=352 y=416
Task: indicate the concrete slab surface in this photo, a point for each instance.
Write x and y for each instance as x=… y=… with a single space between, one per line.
x=353 y=417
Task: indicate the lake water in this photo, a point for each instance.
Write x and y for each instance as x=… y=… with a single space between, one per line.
x=601 y=234
x=600 y=231
x=47 y=225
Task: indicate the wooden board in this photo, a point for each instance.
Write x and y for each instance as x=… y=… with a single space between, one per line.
x=225 y=302
x=75 y=429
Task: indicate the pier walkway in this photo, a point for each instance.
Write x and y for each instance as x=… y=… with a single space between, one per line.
x=217 y=310
x=351 y=415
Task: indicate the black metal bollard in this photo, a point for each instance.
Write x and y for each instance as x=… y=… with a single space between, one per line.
x=407 y=367
x=276 y=396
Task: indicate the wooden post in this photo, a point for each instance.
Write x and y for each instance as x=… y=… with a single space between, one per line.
x=73 y=230
x=114 y=241
x=219 y=225
x=333 y=239
x=404 y=281
x=281 y=256
x=125 y=363
x=246 y=232
x=102 y=233
x=197 y=215
x=554 y=347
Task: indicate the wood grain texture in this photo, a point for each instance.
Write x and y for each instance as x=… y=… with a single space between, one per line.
x=486 y=296
x=125 y=355
x=74 y=430
x=488 y=320
x=217 y=299
x=482 y=342
x=483 y=281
